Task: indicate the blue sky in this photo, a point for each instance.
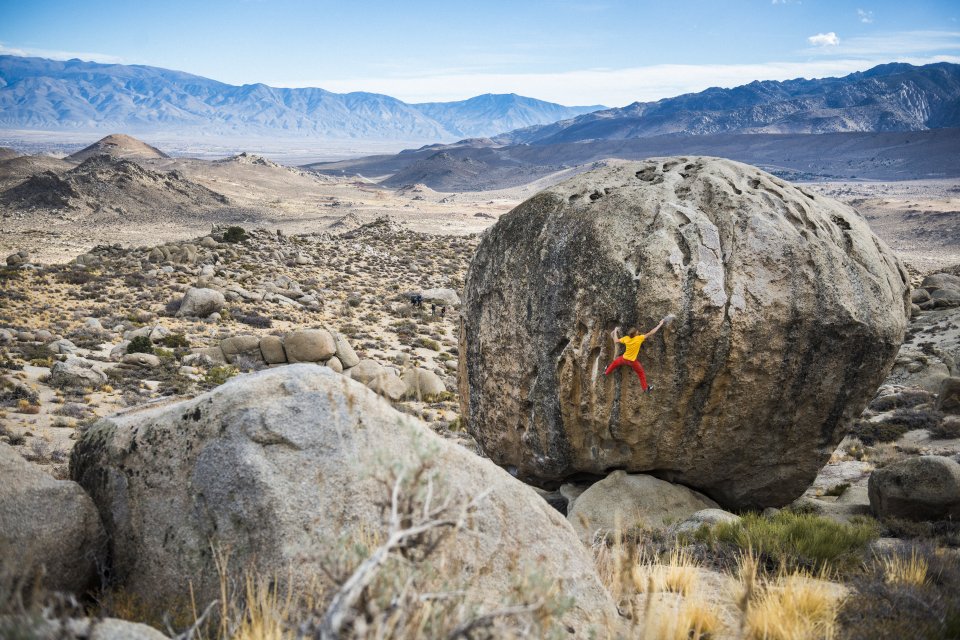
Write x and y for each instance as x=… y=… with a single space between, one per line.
x=608 y=52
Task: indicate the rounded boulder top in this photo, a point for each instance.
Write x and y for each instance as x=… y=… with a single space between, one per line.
x=788 y=313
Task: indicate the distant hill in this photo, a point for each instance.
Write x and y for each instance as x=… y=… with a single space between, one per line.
x=118 y=145
x=890 y=97
x=896 y=155
x=36 y=93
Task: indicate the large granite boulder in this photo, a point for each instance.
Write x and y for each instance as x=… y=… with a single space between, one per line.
x=50 y=524
x=282 y=467
x=789 y=312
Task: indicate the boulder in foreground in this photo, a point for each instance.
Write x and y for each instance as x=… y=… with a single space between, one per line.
x=281 y=467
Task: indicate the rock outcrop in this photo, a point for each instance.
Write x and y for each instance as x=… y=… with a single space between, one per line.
x=789 y=313
x=283 y=465
x=48 y=523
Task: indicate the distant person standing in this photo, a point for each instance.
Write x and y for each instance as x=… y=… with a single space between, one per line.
x=443 y=312
x=433 y=309
x=631 y=343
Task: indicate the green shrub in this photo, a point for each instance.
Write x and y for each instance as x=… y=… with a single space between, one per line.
x=218 y=375
x=140 y=344
x=175 y=341
x=234 y=234
x=797 y=540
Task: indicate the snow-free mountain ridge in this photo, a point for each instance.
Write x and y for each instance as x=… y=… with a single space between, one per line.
x=36 y=93
x=890 y=97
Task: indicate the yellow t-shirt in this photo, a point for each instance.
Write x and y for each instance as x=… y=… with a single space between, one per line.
x=633 y=346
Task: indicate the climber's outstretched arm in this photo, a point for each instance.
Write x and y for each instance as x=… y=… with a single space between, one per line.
x=615 y=334
x=654 y=330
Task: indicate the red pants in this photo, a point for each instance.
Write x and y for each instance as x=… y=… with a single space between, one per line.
x=619 y=362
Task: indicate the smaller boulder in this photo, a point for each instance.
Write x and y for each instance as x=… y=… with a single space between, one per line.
x=62 y=346
x=629 y=500
x=366 y=370
x=145 y=360
x=702 y=518
x=389 y=385
x=345 y=353
x=936 y=281
x=201 y=303
x=919 y=296
x=48 y=522
x=271 y=348
x=18 y=258
x=422 y=384
x=446 y=297
x=948 y=400
x=335 y=364
x=77 y=373
x=309 y=345
x=237 y=346
x=921 y=488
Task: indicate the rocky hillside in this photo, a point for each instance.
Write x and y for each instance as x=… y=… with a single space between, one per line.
x=36 y=93
x=891 y=97
x=103 y=179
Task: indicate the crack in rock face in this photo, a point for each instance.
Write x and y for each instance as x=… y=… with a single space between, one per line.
x=789 y=313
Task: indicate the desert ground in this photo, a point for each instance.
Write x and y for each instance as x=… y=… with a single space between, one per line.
x=110 y=245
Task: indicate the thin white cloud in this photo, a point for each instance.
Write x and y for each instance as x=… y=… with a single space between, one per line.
x=60 y=55
x=865 y=16
x=611 y=87
x=824 y=40
x=900 y=43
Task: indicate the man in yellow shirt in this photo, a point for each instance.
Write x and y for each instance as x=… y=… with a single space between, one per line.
x=632 y=342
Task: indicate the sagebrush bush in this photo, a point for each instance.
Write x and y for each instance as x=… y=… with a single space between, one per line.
x=254 y=320
x=899 y=604
x=140 y=344
x=912 y=419
x=871 y=433
x=11 y=394
x=234 y=234
x=947 y=429
x=904 y=399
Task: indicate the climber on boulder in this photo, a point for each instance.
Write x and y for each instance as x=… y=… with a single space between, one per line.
x=632 y=342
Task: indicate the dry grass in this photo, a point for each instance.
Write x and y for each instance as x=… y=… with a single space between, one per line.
x=795 y=607
x=898 y=569
x=666 y=598
x=677 y=575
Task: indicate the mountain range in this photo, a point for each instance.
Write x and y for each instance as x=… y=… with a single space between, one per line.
x=889 y=97
x=37 y=93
